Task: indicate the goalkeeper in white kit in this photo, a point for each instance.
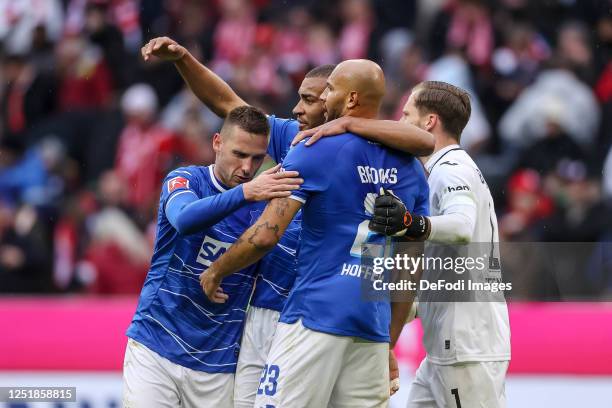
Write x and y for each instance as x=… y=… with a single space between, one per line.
x=467 y=343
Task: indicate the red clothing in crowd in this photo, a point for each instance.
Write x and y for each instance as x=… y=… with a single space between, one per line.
x=603 y=88
x=143 y=158
x=234 y=39
x=115 y=272
x=89 y=86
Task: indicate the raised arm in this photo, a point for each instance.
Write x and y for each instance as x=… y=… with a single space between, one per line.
x=251 y=246
x=397 y=135
x=213 y=91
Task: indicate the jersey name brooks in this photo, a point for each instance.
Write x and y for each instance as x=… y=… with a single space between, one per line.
x=342 y=177
x=372 y=175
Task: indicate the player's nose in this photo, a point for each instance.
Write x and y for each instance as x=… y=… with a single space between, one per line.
x=247 y=167
x=323 y=96
x=298 y=109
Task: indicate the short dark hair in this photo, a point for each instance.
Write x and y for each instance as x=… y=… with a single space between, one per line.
x=249 y=119
x=449 y=102
x=322 y=71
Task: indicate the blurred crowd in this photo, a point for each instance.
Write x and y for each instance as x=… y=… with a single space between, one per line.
x=87 y=130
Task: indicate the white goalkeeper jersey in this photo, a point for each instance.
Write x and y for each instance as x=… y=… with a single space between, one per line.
x=462 y=213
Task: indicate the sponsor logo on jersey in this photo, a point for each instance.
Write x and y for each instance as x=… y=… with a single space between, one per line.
x=371 y=175
x=176 y=183
x=449 y=163
x=458 y=188
x=211 y=250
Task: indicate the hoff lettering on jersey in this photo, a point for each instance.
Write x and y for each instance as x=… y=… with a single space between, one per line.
x=373 y=175
x=211 y=250
x=176 y=183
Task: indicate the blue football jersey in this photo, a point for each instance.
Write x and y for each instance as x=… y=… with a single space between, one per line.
x=174 y=317
x=282 y=132
x=276 y=271
x=342 y=177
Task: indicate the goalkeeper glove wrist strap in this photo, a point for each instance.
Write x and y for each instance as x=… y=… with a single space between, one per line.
x=417 y=226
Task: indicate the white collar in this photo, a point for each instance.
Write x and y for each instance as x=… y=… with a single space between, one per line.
x=437 y=155
x=214 y=180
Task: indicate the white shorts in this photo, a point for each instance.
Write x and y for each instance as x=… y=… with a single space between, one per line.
x=259 y=331
x=150 y=381
x=461 y=385
x=306 y=368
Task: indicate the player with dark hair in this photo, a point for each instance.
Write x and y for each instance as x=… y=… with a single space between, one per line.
x=467 y=343
x=329 y=338
x=277 y=270
x=182 y=348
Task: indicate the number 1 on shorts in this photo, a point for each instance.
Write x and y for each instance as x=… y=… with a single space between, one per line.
x=455 y=392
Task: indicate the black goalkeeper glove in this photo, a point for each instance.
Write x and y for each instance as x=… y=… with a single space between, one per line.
x=392 y=219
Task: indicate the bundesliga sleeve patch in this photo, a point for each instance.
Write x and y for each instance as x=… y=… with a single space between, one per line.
x=176 y=183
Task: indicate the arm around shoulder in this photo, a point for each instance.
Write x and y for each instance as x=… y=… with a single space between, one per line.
x=395 y=134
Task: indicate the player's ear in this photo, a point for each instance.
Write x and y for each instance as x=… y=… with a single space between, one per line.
x=352 y=100
x=217 y=142
x=431 y=122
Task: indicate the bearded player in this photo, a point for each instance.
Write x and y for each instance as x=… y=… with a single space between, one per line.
x=277 y=270
x=331 y=346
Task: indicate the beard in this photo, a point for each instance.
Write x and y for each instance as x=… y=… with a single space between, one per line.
x=331 y=114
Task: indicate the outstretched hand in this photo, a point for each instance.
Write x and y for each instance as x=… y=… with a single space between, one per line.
x=163 y=47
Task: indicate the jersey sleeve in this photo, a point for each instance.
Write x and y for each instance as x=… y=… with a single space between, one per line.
x=308 y=162
x=457 y=206
x=188 y=213
x=454 y=187
x=179 y=182
x=282 y=132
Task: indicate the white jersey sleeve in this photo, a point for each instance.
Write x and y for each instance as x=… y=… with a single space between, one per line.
x=456 y=205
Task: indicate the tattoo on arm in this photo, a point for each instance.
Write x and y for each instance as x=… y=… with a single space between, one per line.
x=281 y=206
x=263 y=228
x=258 y=239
